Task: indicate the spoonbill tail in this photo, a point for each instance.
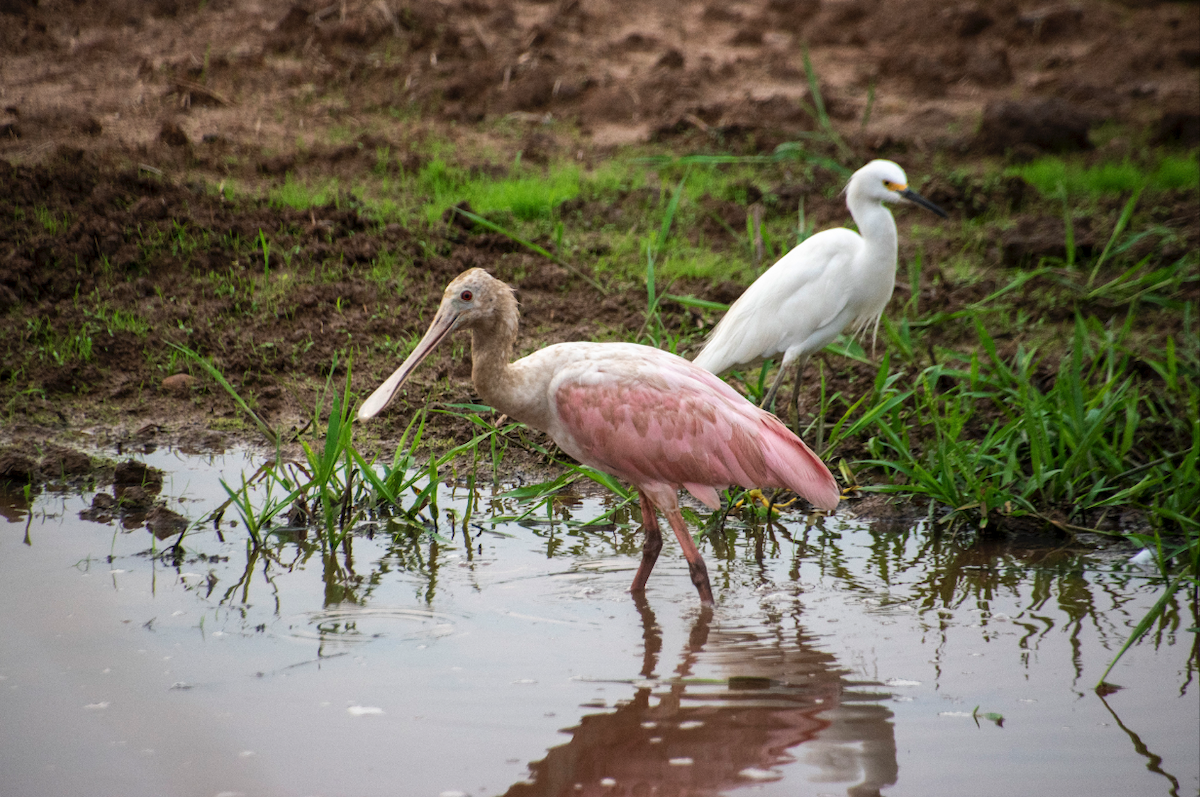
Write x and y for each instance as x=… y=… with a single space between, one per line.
x=638 y=413
x=835 y=280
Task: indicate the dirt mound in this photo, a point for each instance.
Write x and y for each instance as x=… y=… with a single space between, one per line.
x=232 y=89
x=1033 y=126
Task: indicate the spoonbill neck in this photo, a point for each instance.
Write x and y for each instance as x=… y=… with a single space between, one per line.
x=492 y=342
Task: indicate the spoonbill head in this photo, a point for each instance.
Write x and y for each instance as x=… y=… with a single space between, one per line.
x=833 y=281
x=474 y=300
x=638 y=413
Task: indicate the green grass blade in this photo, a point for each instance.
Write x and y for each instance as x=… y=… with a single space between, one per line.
x=692 y=301
x=1118 y=228
x=212 y=371
x=1144 y=624
x=530 y=245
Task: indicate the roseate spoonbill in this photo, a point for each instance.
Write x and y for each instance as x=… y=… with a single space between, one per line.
x=835 y=280
x=638 y=413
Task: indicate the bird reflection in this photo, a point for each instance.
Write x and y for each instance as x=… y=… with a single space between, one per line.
x=783 y=702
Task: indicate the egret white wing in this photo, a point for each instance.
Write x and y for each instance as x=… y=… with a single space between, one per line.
x=792 y=299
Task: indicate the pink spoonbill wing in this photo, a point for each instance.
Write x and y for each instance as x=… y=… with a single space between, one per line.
x=657 y=419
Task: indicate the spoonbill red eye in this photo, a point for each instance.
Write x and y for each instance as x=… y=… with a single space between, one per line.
x=466 y=296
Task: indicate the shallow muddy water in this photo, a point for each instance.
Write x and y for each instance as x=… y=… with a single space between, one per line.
x=841 y=659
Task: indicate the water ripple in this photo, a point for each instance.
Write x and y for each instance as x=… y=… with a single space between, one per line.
x=354 y=624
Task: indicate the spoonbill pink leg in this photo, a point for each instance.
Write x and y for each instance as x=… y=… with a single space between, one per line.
x=666 y=500
x=696 y=566
x=651 y=547
x=658 y=496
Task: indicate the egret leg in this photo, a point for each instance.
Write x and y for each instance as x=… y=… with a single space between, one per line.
x=696 y=566
x=795 y=402
x=651 y=547
x=768 y=402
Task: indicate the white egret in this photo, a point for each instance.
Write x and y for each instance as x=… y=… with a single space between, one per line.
x=836 y=280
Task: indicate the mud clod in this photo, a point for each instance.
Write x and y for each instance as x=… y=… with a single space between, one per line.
x=180 y=384
x=59 y=462
x=164 y=523
x=102 y=510
x=131 y=474
x=172 y=135
x=1037 y=125
x=17 y=468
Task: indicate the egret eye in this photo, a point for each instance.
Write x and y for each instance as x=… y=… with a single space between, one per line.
x=466 y=296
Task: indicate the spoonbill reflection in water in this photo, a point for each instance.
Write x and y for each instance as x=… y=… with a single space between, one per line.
x=641 y=414
x=836 y=280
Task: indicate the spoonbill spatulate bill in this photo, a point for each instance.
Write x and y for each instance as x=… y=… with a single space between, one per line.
x=638 y=413
x=836 y=280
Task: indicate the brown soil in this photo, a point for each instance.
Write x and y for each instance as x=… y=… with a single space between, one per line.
x=183 y=84
x=120 y=118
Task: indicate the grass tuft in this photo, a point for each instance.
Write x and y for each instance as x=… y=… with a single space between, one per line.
x=1049 y=173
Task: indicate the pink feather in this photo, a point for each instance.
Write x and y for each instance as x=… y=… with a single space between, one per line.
x=683 y=427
